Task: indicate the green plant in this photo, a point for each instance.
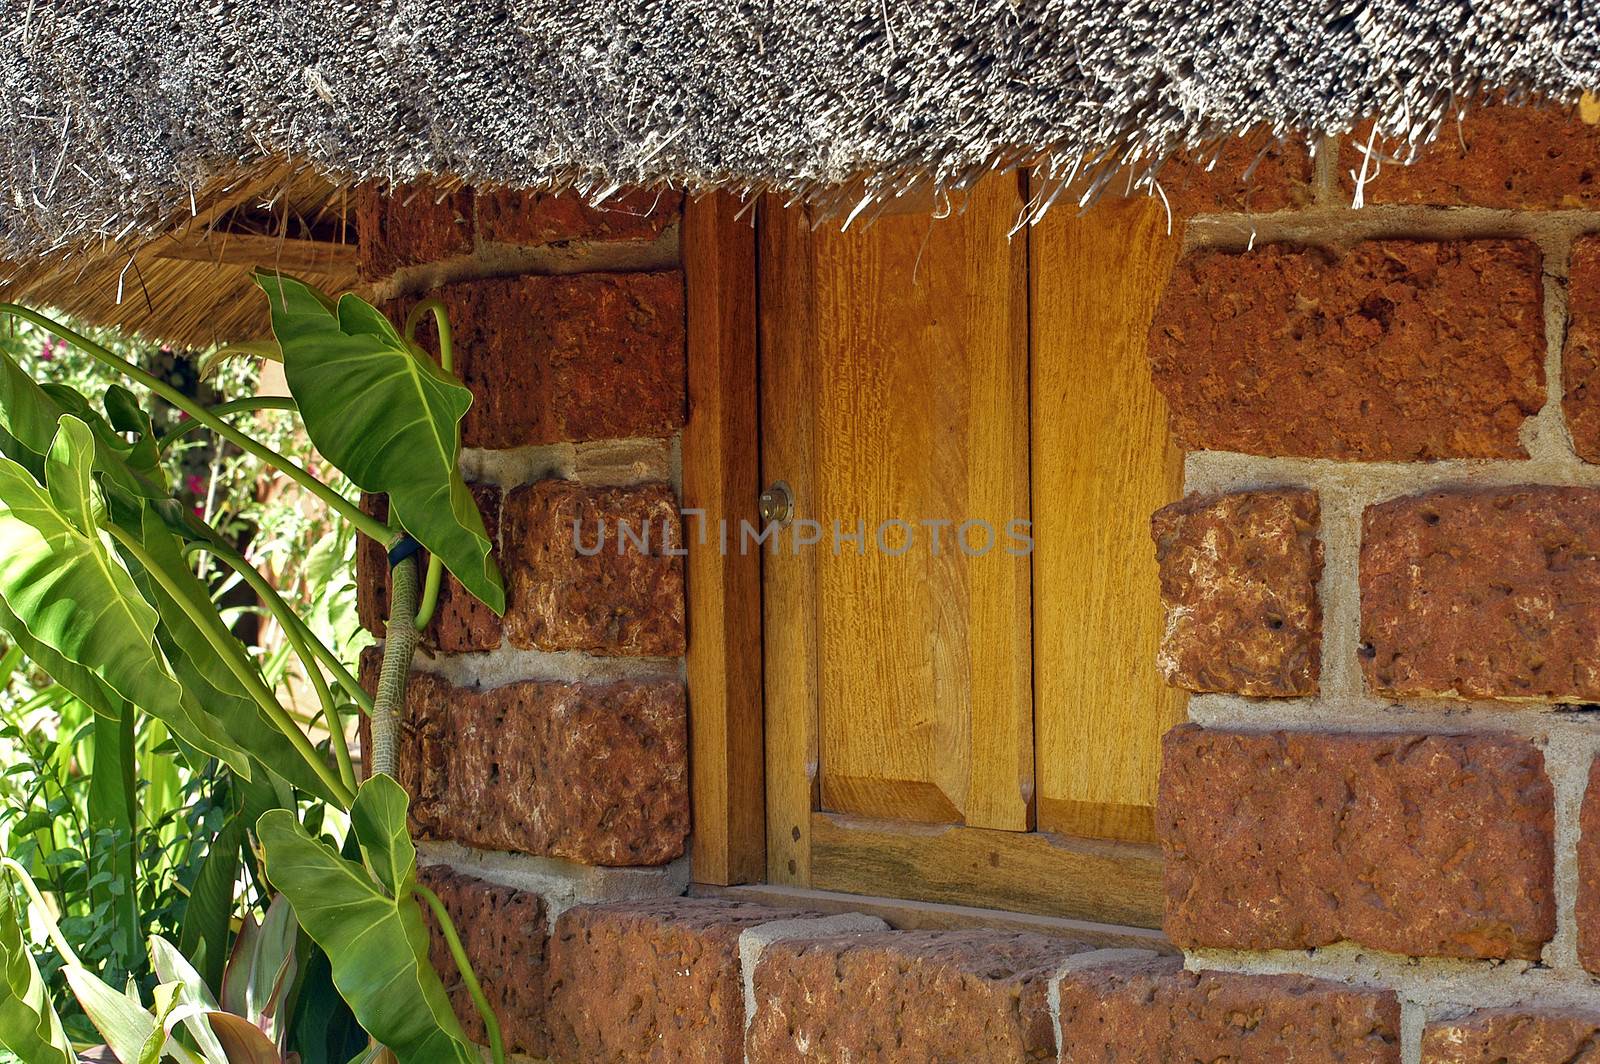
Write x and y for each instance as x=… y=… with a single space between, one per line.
x=99 y=588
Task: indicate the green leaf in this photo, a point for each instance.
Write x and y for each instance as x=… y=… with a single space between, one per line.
x=323 y=1030
x=113 y=805
x=66 y=598
x=378 y=818
x=67 y=590
x=204 y=935
x=28 y=417
x=81 y=682
x=388 y=417
x=126 y=466
x=29 y=1026
x=131 y=1032
x=211 y=691
x=190 y=991
x=126 y=415
x=378 y=942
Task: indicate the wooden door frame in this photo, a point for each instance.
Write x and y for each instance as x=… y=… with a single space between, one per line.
x=721 y=478
x=752 y=704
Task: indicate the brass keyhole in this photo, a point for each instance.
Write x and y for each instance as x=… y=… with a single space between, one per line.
x=777 y=504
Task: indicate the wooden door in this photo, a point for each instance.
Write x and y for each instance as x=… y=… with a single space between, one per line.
x=926 y=707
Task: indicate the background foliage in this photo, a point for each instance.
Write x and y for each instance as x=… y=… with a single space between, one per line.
x=82 y=843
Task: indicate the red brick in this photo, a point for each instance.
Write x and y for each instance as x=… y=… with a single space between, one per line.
x=650 y=981
x=1427 y=845
x=1490 y=593
x=1256 y=173
x=594 y=773
x=618 y=599
x=1156 y=1013
x=1239 y=585
x=508 y=216
x=974 y=997
x=503 y=932
x=460 y=622
x=410 y=225
x=587 y=356
x=1514 y=1036
x=1392 y=350
x=1588 y=912
x=1496 y=156
x=1580 y=359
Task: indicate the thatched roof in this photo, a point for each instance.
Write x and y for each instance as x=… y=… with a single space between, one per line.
x=119 y=119
x=187 y=280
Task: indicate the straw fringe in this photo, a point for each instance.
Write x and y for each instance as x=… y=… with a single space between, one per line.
x=118 y=120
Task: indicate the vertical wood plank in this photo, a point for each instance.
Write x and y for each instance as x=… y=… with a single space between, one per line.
x=721 y=479
x=787 y=324
x=896 y=362
x=1102 y=463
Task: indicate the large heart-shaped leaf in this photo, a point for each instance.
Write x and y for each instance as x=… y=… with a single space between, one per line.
x=68 y=600
x=388 y=417
x=65 y=587
x=82 y=682
x=377 y=941
x=29 y=1026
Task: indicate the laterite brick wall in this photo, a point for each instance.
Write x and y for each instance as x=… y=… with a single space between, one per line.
x=1384 y=585
x=546 y=752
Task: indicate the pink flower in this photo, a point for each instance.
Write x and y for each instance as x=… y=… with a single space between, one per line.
x=51 y=348
x=200 y=511
x=195 y=483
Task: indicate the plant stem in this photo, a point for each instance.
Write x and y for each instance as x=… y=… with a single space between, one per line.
x=447 y=362
x=299 y=638
x=57 y=939
x=400 y=644
x=338 y=503
x=233 y=656
x=341 y=674
x=463 y=965
x=232 y=406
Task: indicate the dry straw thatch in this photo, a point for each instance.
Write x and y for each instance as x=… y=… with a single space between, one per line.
x=120 y=120
x=189 y=283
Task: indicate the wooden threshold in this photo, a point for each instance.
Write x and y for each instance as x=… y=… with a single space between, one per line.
x=905 y=915
x=1029 y=872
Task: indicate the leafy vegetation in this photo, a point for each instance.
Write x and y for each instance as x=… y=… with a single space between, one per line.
x=175 y=783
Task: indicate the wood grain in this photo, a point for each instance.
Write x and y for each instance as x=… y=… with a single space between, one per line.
x=256 y=249
x=721 y=478
x=914 y=331
x=1102 y=463
x=1107 y=882
x=788 y=578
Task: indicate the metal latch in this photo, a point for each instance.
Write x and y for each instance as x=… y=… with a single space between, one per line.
x=777 y=504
